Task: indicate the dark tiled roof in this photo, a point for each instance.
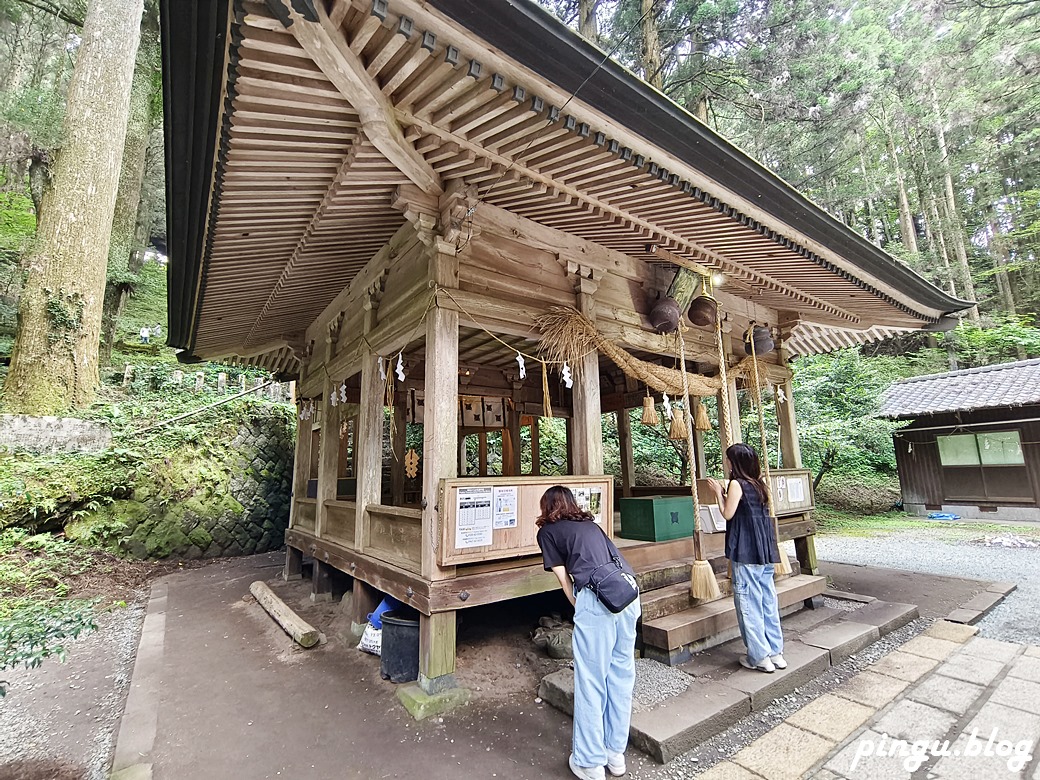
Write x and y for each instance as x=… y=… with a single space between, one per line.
x=1006 y=384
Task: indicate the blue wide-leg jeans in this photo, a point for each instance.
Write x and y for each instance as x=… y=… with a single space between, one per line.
x=604 y=675
x=758 y=613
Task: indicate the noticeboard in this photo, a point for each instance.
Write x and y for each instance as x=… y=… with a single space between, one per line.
x=493 y=518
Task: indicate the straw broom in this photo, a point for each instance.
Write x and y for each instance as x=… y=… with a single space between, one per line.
x=784 y=566
x=703 y=584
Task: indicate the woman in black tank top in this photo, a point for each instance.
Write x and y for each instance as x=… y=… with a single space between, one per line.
x=752 y=551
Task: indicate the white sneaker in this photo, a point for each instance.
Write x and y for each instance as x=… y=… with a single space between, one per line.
x=779 y=662
x=616 y=764
x=765 y=666
x=585 y=772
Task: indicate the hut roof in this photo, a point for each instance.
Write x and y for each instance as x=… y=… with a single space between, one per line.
x=282 y=179
x=988 y=387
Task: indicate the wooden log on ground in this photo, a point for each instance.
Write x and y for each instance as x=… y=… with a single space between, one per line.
x=303 y=632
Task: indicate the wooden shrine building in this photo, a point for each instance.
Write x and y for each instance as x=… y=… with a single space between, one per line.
x=385 y=199
x=971 y=444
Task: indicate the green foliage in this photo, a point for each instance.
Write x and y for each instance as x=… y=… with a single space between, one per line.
x=35 y=616
x=1008 y=338
x=32 y=632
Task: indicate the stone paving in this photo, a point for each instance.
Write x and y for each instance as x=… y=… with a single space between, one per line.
x=947 y=705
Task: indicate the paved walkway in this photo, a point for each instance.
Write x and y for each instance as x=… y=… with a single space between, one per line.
x=947 y=705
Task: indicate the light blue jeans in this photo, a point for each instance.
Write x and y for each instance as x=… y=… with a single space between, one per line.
x=758 y=613
x=604 y=675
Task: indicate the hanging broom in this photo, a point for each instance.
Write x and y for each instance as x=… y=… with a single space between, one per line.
x=703 y=584
x=649 y=410
x=701 y=421
x=784 y=566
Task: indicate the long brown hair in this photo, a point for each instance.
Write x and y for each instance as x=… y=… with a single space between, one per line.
x=558 y=504
x=744 y=464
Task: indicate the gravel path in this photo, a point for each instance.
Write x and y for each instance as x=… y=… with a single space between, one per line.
x=1016 y=619
x=60 y=720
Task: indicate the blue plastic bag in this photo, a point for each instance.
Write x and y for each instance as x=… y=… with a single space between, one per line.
x=943 y=516
x=376 y=618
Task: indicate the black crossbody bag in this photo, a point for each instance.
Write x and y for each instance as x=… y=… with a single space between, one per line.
x=615 y=587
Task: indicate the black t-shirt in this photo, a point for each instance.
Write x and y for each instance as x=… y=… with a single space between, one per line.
x=579 y=546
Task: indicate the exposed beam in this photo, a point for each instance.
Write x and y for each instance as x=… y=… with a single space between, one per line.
x=325 y=44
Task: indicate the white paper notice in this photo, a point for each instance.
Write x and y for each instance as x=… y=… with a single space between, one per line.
x=473 y=517
x=505 y=506
x=795 y=490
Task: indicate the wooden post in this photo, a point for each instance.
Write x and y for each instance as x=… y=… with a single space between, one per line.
x=624 y=428
x=437 y=651
x=221 y=382
x=482 y=453
x=536 y=460
x=321 y=581
x=569 y=430
x=790 y=450
x=364 y=601
x=328 y=458
x=400 y=444
x=588 y=425
x=463 y=461
x=293 y=564
x=369 y=446
x=301 y=466
x=440 y=447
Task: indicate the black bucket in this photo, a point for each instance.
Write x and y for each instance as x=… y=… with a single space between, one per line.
x=399 y=654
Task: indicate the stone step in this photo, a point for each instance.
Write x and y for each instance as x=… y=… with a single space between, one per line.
x=666 y=637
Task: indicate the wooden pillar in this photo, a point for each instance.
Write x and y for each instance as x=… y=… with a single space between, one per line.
x=321 y=581
x=328 y=458
x=364 y=601
x=463 y=461
x=511 y=441
x=482 y=454
x=624 y=428
x=441 y=447
x=293 y=564
x=301 y=466
x=569 y=430
x=790 y=450
x=588 y=427
x=400 y=444
x=536 y=459
x=369 y=446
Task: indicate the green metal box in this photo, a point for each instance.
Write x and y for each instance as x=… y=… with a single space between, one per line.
x=657 y=518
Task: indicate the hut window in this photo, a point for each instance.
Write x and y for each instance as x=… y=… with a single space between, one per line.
x=996 y=448
x=1001 y=448
x=960 y=450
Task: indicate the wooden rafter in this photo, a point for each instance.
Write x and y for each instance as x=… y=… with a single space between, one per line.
x=342 y=65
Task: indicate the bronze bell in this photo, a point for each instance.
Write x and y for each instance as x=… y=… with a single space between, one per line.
x=703 y=310
x=763 y=341
x=665 y=315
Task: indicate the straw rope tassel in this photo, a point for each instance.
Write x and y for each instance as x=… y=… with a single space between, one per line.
x=703 y=584
x=784 y=566
x=546 y=400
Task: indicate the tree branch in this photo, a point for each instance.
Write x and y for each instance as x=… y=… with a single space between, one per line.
x=55 y=9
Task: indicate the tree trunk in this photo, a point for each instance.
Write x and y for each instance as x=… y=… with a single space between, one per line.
x=587 y=24
x=651 y=46
x=124 y=243
x=999 y=255
x=54 y=365
x=956 y=225
x=906 y=220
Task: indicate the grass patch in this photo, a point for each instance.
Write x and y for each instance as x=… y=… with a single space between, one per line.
x=839 y=522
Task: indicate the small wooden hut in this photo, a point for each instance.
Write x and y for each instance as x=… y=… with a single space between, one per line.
x=972 y=447
x=386 y=198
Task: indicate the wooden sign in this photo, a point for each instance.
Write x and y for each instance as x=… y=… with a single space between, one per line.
x=792 y=491
x=493 y=518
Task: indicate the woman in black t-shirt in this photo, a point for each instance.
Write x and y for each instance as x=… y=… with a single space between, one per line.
x=751 y=549
x=604 y=642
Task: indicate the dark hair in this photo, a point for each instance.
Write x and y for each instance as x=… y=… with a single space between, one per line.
x=558 y=504
x=744 y=465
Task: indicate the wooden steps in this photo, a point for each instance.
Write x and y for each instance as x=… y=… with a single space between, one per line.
x=673 y=631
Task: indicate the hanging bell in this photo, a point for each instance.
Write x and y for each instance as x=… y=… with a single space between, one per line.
x=762 y=339
x=703 y=310
x=677 y=431
x=665 y=315
x=649 y=412
x=701 y=421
